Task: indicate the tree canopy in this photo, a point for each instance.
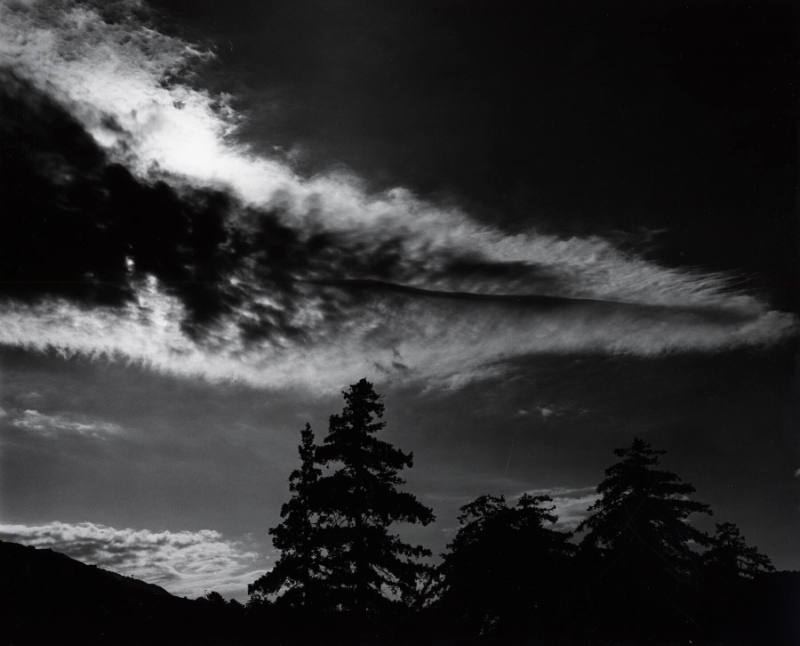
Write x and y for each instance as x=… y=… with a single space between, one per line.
x=645 y=549
x=643 y=514
x=297 y=574
x=337 y=553
x=730 y=557
x=636 y=569
x=359 y=499
x=505 y=566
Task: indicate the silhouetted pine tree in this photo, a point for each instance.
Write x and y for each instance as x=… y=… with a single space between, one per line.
x=506 y=572
x=648 y=570
x=733 y=589
x=730 y=557
x=296 y=576
x=365 y=566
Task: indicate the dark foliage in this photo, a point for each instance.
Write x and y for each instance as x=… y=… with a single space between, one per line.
x=359 y=500
x=506 y=571
x=730 y=566
x=339 y=558
x=297 y=574
x=641 y=573
x=730 y=557
x=641 y=548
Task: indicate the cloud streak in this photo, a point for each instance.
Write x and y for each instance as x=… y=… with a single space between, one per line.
x=61 y=424
x=186 y=563
x=388 y=338
x=203 y=258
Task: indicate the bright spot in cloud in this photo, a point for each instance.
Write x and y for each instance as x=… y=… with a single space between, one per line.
x=131 y=88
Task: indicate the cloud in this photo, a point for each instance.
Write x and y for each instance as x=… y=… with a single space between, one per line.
x=390 y=338
x=58 y=425
x=571 y=503
x=543 y=411
x=573 y=510
x=200 y=257
x=186 y=563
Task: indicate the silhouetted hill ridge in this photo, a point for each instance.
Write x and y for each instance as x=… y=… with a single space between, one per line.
x=48 y=597
x=29 y=555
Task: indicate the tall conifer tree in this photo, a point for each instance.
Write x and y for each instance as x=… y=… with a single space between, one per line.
x=297 y=574
x=730 y=557
x=338 y=555
x=643 y=513
x=365 y=564
x=649 y=566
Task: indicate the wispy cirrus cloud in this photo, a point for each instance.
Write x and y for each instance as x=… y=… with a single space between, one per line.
x=186 y=563
x=54 y=425
x=129 y=86
x=386 y=339
x=261 y=275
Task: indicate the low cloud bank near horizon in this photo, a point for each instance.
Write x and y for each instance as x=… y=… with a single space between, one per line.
x=139 y=229
x=185 y=563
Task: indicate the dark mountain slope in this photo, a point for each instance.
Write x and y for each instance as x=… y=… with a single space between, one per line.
x=49 y=598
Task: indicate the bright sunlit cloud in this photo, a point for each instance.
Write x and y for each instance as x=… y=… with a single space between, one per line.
x=186 y=563
x=131 y=87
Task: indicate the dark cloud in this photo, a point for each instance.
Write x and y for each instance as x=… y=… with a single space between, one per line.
x=74 y=221
x=537 y=302
x=141 y=208
x=582 y=118
x=80 y=226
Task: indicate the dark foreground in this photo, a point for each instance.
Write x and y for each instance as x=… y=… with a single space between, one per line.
x=49 y=598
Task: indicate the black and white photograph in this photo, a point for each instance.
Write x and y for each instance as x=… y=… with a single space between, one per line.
x=403 y=322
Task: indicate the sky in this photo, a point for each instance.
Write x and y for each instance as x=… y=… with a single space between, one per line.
x=539 y=230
